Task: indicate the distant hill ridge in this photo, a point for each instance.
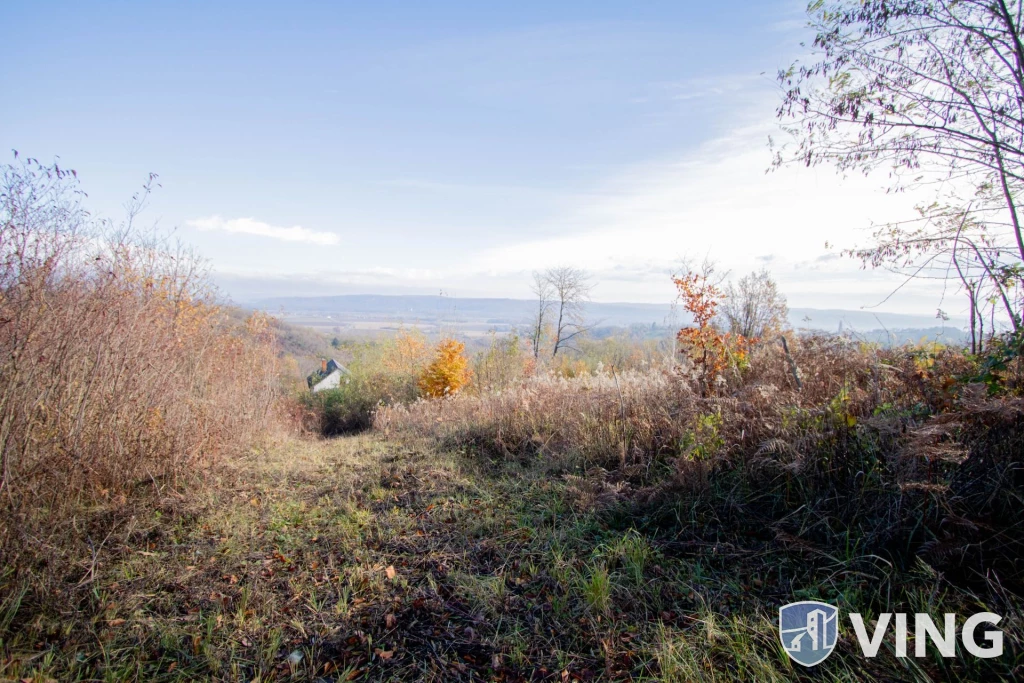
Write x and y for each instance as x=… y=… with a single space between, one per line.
x=411 y=308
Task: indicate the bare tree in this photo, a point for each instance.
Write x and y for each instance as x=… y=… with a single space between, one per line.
x=754 y=307
x=544 y=292
x=570 y=290
x=933 y=93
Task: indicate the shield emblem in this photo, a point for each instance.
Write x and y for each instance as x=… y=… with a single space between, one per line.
x=808 y=631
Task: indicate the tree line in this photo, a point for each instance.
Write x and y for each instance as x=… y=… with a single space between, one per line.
x=753 y=307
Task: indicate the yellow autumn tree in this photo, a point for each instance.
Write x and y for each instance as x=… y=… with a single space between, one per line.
x=448 y=372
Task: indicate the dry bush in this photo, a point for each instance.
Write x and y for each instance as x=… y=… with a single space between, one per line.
x=881 y=445
x=506 y=362
x=754 y=307
x=607 y=417
x=602 y=418
x=118 y=372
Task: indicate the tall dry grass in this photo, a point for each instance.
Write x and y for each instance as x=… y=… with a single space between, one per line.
x=119 y=374
x=616 y=418
x=887 y=451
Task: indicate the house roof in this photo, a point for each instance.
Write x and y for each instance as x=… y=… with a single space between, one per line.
x=318 y=376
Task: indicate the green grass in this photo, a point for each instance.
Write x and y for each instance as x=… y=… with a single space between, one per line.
x=361 y=559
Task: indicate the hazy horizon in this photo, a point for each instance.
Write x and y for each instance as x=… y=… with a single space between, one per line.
x=323 y=149
x=504 y=314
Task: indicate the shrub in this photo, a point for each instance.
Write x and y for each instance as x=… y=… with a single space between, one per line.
x=346 y=409
x=447 y=373
x=119 y=373
x=393 y=373
x=883 y=449
x=710 y=351
x=379 y=374
x=503 y=364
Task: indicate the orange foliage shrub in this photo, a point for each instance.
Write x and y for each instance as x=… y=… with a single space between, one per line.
x=710 y=350
x=448 y=372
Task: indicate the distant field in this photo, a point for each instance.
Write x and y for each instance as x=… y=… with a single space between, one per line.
x=355 y=327
x=373 y=316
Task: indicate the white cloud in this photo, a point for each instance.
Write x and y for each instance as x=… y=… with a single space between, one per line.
x=631 y=230
x=718 y=200
x=251 y=226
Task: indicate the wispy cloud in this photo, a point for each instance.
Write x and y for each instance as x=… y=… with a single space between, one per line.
x=708 y=87
x=631 y=230
x=251 y=226
x=718 y=200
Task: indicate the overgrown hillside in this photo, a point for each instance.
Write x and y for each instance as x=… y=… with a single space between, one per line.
x=120 y=381
x=549 y=508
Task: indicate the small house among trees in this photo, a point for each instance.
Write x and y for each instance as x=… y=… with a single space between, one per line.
x=328 y=376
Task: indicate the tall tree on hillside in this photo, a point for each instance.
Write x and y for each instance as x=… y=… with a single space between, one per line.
x=543 y=291
x=569 y=290
x=931 y=91
x=754 y=307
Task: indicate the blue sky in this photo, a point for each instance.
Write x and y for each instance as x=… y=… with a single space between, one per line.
x=416 y=147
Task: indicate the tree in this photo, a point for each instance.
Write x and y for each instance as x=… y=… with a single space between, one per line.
x=448 y=372
x=569 y=289
x=933 y=92
x=710 y=350
x=543 y=291
x=700 y=295
x=754 y=308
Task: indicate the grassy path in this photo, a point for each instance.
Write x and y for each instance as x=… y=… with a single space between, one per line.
x=359 y=559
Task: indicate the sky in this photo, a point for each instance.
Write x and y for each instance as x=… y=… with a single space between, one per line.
x=311 y=148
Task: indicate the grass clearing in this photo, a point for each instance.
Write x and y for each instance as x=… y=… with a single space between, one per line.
x=363 y=558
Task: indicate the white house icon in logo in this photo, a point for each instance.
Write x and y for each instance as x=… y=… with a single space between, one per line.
x=808 y=631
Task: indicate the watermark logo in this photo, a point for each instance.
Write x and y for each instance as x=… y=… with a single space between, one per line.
x=808 y=630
